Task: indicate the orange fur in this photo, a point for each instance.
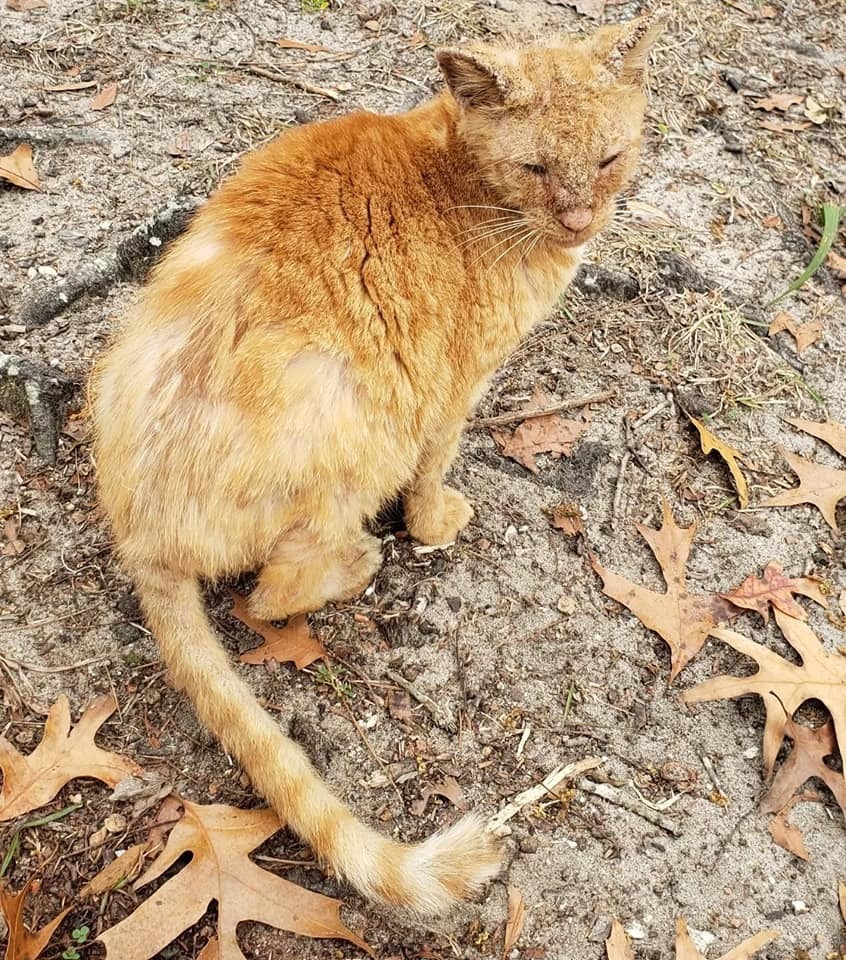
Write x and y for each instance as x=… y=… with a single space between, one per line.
x=312 y=347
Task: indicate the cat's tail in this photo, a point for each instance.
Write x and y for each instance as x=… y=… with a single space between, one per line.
x=427 y=878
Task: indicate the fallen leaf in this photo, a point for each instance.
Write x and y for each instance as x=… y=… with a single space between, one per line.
x=220 y=839
x=829 y=431
x=775 y=588
x=811 y=746
x=841 y=887
x=294 y=642
x=70 y=86
x=682 y=619
x=399 y=706
x=787 y=835
x=836 y=263
x=772 y=222
x=516 y=920
x=287 y=44
x=122 y=869
x=804 y=334
x=711 y=442
x=824 y=487
x=14 y=546
x=567 y=517
x=778 y=101
x=686 y=948
x=105 y=98
x=17 y=168
x=784 y=126
x=23 y=944
x=63 y=754
x=21 y=6
x=618 y=946
x=815 y=111
x=550 y=433
x=448 y=788
x=783 y=686
x=767 y=12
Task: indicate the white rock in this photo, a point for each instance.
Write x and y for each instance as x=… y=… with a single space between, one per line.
x=702 y=939
x=636 y=930
x=46 y=271
x=799 y=906
x=750 y=754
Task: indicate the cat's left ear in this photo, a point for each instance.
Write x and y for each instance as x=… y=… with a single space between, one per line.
x=628 y=57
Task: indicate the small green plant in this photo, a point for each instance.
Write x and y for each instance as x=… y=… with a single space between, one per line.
x=334 y=678
x=315 y=6
x=79 y=937
x=831 y=220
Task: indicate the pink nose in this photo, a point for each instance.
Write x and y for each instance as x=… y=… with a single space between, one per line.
x=576 y=218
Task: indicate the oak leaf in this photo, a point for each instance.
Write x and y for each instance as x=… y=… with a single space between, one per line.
x=63 y=754
x=686 y=948
x=24 y=944
x=220 y=839
x=567 y=517
x=778 y=101
x=294 y=642
x=811 y=746
x=516 y=920
x=549 y=433
x=786 y=834
x=710 y=442
x=682 y=619
x=125 y=867
x=448 y=788
x=758 y=593
x=783 y=686
x=805 y=334
x=18 y=168
x=618 y=946
x=105 y=98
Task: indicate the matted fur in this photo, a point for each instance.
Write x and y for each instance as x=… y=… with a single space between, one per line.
x=312 y=347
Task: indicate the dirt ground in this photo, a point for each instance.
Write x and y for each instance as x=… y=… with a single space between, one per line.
x=508 y=628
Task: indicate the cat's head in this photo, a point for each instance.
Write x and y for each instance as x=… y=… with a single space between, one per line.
x=554 y=131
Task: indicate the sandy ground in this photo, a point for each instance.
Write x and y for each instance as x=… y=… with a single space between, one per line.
x=509 y=627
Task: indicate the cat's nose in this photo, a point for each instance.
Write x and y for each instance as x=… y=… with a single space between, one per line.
x=575 y=218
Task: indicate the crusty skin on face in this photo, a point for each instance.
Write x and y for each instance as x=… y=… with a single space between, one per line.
x=312 y=346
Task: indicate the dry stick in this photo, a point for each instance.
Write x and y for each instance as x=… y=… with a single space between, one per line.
x=297 y=82
x=617 y=797
x=49 y=621
x=545 y=411
x=53 y=135
x=618 y=490
x=546 y=786
x=441 y=715
x=36 y=668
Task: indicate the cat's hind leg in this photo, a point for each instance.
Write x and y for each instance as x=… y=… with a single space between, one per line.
x=304 y=572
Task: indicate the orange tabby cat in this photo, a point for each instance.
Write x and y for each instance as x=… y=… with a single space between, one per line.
x=312 y=346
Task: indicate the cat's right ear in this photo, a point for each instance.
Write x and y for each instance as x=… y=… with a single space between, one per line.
x=477 y=78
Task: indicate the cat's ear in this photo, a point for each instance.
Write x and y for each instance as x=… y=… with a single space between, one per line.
x=479 y=78
x=629 y=54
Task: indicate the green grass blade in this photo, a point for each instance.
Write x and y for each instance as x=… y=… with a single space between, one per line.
x=831 y=220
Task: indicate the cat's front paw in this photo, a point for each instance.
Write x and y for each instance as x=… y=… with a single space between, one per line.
x=438 y=519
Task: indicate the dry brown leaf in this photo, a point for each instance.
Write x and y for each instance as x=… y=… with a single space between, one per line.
x=787 y=835
x=824 y=487
x=680 y=618
x=21 y=6
x=448 y=788
x=516 y=920
x=551 y=433
x=70 y=86
x=841 y=898
x=399 y=706
x=775 y=588
x=286 y=43
x=220 y=839
x=618 y=946
x=811 y=746
x=710 y=442
x=783 y=686
x=836 y=263
x=831 y=432
x=124 y=868
x=567 y=517
x=17 y=167
x=105 y=98
x=805 y=334
x=784 y=126
x=63 y=754
x=686 y=948
x=292 y=643
x=778 y=101
x=23 y=944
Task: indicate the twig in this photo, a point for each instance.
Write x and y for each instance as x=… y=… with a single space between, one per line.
x=547 y=785
x=441 y=715
x=618 y=489
x=53 y=135
x=26 y=665
x=47 y=621
x=618 y=798
x=297 y=82
x=545 y=411
x=650 y=413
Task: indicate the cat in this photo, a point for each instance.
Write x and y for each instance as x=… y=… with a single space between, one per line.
x=312 y=347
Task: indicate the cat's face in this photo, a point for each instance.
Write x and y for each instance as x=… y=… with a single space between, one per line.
x=555 y=131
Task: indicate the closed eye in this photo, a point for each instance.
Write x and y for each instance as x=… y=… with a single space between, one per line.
x=608 y=161
x=538 y=169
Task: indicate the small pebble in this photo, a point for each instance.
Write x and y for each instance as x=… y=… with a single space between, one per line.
x=799 y=906
x=702 y=939
x=45 y=271
x=636 y=930
x=566 y=605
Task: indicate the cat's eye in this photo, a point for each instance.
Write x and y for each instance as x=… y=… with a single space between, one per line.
x=608 y=161
x=538 y=169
